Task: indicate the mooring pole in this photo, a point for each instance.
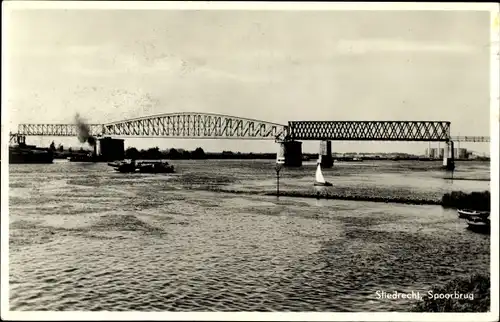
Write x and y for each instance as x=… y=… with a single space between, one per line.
x=277 y=183
x=278 y=168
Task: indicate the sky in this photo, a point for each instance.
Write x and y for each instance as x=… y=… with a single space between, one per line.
x=277 y=66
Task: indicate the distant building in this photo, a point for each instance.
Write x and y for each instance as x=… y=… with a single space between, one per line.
x=435 y=153
x=461 y=153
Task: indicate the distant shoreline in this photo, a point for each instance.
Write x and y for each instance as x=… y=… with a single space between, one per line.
x=199 y=154
x=256 y=156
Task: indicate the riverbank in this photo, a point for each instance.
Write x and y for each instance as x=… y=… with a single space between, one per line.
x=475 y=200
x=329 y=195
x=456 y=199
x=475 y=291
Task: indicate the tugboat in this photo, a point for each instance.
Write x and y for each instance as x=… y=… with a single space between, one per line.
x=125 y=166
x=129 y=166
x=85 y=156
x=82 y=158
x=20 y=152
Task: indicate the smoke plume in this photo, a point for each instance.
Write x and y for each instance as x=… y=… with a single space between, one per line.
x=84 y=131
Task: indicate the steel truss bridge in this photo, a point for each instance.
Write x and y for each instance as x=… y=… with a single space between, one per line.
x=175 y=125
x=370 y=130
x=218 y=126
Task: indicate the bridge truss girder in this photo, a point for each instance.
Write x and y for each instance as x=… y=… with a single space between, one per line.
x=217 y=126
x=196 y=126
x=56 y=129
x=370 y=130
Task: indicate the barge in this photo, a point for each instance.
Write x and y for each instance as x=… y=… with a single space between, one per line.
x=20 y=152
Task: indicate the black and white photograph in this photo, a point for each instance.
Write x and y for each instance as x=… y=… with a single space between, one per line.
x=250 y=161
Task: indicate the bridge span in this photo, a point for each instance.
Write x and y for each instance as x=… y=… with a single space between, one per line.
x=172 y=125
x=218 y=126
x=192 y=125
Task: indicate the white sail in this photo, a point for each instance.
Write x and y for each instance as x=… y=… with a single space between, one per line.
x=319 y=175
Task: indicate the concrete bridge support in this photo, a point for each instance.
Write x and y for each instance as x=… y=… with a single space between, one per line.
x=290 y=153
x=449 y=156
x=445 y=155
x=110 y=149
x=325 y=150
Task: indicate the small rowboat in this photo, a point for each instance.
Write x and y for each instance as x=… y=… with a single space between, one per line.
x=466 y=213
x=478 y=224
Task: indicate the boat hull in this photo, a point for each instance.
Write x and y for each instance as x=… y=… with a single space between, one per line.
x=114 y=164
x=82 y=158
x=142 y=167
x=126 y=168
x=482 y=227
x=36 y=156
x=323 y=184
x=469 y=213
x=155 y=169
x=478 y=224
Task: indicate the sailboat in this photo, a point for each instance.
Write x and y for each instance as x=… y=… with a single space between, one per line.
x=320 y=180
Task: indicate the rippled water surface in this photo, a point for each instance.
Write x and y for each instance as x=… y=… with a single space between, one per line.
x=83 y=237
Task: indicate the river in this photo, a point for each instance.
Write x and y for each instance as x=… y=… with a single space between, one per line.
x=83 y=237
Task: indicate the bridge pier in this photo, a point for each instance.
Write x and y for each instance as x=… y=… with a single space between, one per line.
x=325 y=150
x=449 y=160
x=110 y=149
x=290 y=153
x=445 y=155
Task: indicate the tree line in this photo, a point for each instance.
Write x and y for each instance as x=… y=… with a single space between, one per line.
x=155 y=153
x=181 y=154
